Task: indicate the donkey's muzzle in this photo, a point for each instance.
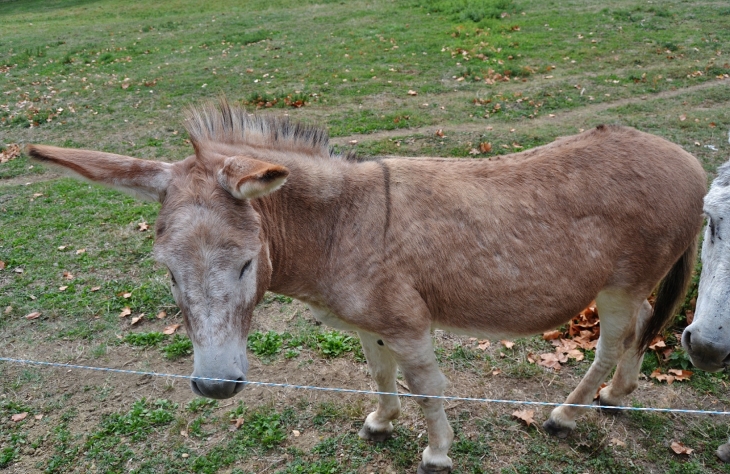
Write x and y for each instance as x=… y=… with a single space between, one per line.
x=706 y=354
x=218 y=389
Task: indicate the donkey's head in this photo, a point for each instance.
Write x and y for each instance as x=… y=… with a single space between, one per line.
x=707 y=339
x=208 y=235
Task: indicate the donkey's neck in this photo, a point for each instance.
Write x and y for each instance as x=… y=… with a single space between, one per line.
x=311 y=218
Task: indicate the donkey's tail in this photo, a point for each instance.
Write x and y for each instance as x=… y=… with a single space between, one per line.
x=669 y=294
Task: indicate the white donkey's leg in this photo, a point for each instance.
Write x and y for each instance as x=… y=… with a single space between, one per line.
x=378 y=426
x=617 y=310
x=626 y=378
x=420 y=369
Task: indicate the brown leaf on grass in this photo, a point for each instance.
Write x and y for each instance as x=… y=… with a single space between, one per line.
x=525 y=415
x=680 y=448
x=18 y=270
x=439 y=133
x=171 y=329
x=161 y=315
x=496 y=372
x=616 y=442
x=68 y=275
x=657 y=374
x=550 y=335
x=680 y=375
x=11 y=152
x=484 y=344
x=96 y=288
x=62 y=247
x=507 y=344
x=575 y=354
x=531 y=358
x=8 y=310
x=62 y=288
x=550 y=361
x=38 y=417
x=236 y=424
x=125 y=85
x=126 y=295
x=682 y=118
x=143 y=226
x=2 y=265
x=412 y=92
x=33 y=315
x=80 y=251
x=125 y=312
x=657 y=343
x=485 y=147
x=136 y=319
x=19 y=416
x=474 y=151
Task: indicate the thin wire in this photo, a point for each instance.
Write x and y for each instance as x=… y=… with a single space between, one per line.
x=361 y=392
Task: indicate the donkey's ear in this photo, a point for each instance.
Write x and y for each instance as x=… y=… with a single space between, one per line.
x=142 y=178
x=246 y=178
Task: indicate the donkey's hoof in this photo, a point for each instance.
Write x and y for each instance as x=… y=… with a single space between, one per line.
x=607 y=408
x=369 y=434
x=424 y=469
x=723 y=452
x=555 y=429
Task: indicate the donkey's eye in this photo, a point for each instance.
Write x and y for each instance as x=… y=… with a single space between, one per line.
x=243 y=270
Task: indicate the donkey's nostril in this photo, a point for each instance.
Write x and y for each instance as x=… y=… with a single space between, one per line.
x=240 y=384
x=687 y=340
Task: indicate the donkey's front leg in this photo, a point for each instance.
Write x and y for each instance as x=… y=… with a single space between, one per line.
x=378 y=425
x=420 y=369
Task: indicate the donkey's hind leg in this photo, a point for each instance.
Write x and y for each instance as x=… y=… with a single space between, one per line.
x=618 y=310
x=378 y=424
x=626 y=378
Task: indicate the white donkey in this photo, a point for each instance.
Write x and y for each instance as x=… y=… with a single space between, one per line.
x=707 y=339
x=395 y=247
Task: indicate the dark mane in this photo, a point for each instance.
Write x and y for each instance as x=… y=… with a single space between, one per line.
x=224 y=123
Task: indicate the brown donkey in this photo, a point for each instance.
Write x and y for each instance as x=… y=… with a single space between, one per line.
x=396 y=247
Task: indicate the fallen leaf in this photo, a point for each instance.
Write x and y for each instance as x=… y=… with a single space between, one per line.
x=474 y=151
x=38 y=417
x=33 y=315
x=11 y=152
x=161 y=315
x=353 y=142
x=184 y=433
x=496 y=372
x=412 y=92
x=550 y=361
x=550 y=335
x=62 y=247
x=67 y=276
x=143 y=226
x=62 y=288
x=236 y=424
x=96 y=288
x=657 y=343
x=125 y=85
x=680 y=448
x=616 y=442
x=136 y=319
x=18 y=270
x=485 y=147
x=296 y=433
x=126 y=295
x=507 y=344
x=8 y=310
x=2 y=265
x=530 y=357
x=37 y=195
x=125 y=312
x=682 y=118
x=19 y=416
x=171 y=329
x=680 y=375
x=525 y=415
x=657 y=374
x=484 y=344
x=440 y=133
x=80 y=251
x=575 y=354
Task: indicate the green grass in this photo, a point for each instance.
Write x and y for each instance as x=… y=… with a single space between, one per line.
x=515 y=74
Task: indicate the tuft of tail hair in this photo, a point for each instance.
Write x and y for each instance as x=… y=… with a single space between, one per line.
x=669 y=295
